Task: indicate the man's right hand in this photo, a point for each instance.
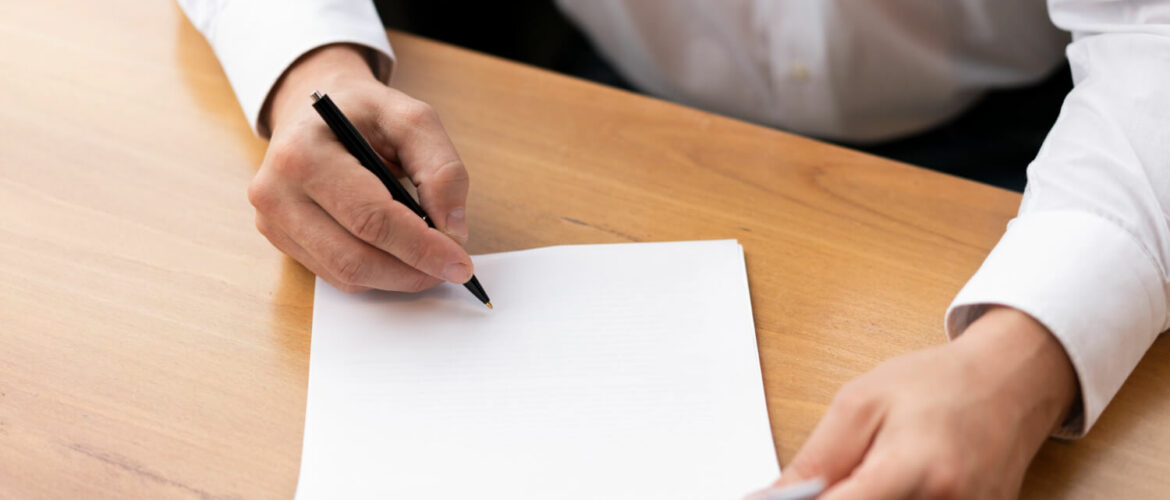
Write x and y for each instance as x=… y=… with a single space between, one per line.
x=315 y=202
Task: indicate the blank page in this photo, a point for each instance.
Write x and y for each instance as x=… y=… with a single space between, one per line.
x=604 y=371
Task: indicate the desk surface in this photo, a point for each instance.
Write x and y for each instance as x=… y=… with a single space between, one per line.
x=152 y=343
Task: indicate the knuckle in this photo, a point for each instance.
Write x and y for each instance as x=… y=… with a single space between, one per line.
x=417 y=283
x=288 y=161
x=372 y=224
x=853 y=400
x=418 y=113
x=451 y=173
x=350 y=270
x=262 y=196
x=275 y=238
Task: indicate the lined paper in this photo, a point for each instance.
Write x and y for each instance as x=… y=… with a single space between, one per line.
x=604 y=371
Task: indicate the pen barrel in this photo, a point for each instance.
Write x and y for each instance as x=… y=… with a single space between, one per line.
x=474 y=287
x=359 y=148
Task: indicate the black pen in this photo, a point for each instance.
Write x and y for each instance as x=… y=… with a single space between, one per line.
x=360 y=149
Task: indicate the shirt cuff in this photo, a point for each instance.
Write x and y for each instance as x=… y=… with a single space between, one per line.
x=1089 y=282
x=255 y=43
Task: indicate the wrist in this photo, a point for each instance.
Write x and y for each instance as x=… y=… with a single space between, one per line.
x=1024 y=367
x=322 y=69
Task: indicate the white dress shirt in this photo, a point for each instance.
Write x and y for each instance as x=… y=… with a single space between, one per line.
x=1088 y=255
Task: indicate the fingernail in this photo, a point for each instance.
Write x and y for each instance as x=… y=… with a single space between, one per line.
x=457 y=223
x=761 y=494
x=806 y=490
x=457 y=273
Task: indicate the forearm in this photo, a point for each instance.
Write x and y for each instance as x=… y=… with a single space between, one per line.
x=257 y=41
x=1089 y=253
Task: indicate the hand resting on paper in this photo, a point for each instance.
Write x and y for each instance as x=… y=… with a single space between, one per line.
x=315 y=202
x=962 y=420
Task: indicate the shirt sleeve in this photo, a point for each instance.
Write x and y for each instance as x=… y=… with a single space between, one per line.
x=1088 y=253
x=257 y=40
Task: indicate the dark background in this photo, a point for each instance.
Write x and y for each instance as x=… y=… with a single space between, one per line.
x=993 y=142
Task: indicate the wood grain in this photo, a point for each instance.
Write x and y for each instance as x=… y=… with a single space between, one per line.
x=152 y=343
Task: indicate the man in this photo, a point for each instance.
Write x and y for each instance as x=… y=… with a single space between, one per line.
x=1051 y=325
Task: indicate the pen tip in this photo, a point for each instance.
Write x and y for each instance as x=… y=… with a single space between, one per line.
x=316 y=96
x=489 y=304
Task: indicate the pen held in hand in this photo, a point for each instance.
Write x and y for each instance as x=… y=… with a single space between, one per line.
x=360 y=149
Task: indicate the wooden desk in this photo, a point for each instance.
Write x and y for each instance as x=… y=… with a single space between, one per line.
x=152 y=343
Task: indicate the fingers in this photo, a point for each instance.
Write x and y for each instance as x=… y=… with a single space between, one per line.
x=905 y=463
x=409 y=132
x=319 y=205
x=881 y=476
x=806 y=490
x=311 y=236
x=839 y=441
x=280 y=240
x=360 y=203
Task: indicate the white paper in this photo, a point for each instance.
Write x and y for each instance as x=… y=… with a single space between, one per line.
x=604 y=372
